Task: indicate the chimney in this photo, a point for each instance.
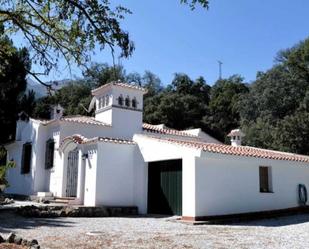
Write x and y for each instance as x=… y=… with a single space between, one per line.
x=57 y=112
x=236 y=137
x=22 y=121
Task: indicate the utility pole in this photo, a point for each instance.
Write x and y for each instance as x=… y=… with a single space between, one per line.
x=220 y=69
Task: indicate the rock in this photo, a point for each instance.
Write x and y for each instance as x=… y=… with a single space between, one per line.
x=17 y=240
x=24 y=242
x=11 y=237
x=34 y=242
x=1 y=239
x=35 y=247
x=8 y=201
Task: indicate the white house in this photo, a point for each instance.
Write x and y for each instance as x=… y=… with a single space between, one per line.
x=114 y=159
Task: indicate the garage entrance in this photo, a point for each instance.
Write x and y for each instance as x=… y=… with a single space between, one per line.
x=165 y=187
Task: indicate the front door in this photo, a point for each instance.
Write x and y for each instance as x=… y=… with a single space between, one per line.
x=72 y=172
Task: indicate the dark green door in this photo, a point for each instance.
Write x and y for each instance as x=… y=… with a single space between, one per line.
x=165 y=187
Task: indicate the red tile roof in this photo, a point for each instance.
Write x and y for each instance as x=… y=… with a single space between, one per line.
x=237 y=150
x=166 y=131
x=77 y=119
x=121 y=84
x=79 y=139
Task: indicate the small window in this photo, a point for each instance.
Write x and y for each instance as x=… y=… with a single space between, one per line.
x=100 y=103
x=106 y=100
x=265 y=179
x=120 y=100
x=127 y=101
x=49 y=154
x=26 y=158
x=134 y=103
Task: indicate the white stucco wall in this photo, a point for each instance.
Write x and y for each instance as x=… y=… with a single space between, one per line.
x=91 y=175
x=230 y=184
x=115 y=175
x=23 y=183
x=154 y=150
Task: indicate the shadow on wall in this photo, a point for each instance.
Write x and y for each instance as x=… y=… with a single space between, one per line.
x=10 y=222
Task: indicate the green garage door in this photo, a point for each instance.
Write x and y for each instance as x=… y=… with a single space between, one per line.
x=165 y=187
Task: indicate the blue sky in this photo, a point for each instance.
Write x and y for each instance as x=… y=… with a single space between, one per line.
x=244 y=34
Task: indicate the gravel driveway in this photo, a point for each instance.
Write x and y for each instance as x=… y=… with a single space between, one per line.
x=151 y=232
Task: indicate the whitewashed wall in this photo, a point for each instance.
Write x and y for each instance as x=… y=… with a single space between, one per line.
x=154 y=150
x=91 y=164
x=230 y=184
x=23 y=183
x=115 y=175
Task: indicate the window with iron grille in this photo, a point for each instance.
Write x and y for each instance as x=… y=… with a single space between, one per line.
x=26 y=158
x=49 y=154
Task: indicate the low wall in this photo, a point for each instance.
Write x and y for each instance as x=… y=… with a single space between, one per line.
x=71 y=211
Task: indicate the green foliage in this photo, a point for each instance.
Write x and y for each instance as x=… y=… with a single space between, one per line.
x=74 y=98
x=274 y=114
x=4 y=167
x=100 y=74
x=193 y=3
x=223 y=113
x=12 y=86
x=65 y=29
x=182 y=104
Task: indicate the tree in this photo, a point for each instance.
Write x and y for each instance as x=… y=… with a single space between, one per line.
x=65 y=29
x=12 y=86
x=74 y=98
x=27 y=103
x=223 y=111
x=181 y=105
x=102 y=73
x=274 y=114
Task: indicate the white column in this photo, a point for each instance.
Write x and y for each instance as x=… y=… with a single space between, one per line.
x=81 y=177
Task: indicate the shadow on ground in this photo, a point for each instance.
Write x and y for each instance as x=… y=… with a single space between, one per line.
x=272 y=222
x=9 y=221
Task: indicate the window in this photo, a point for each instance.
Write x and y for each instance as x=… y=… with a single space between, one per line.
x=127 y=101
x=26 y=158
x=106 y=100
x=120 y=100
x=100 y=103
x=265 y=179
x=134 y=103
x=103 y=102
x=49 y=154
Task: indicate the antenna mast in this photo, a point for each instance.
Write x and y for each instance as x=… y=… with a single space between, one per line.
x=220 y=69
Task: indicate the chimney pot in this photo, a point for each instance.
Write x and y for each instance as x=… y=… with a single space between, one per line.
x=236 y=136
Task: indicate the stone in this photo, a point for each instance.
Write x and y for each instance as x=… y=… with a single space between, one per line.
x=11 y=237
x=24 y=242
x=1 y=239
x=17 y=240
x=34 y=242
x=35 y=247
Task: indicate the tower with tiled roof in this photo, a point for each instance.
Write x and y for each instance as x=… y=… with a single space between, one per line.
x=121 y=106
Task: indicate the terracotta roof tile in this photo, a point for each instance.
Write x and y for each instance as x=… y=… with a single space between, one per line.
x=76 y=119
x=166 y=131
x=121 y=84
x=79 y=139
x=237 y=150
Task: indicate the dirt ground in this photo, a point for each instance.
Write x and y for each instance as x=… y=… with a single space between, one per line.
x=157 y=232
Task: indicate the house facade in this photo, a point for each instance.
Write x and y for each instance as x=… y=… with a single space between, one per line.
x=114 y=159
